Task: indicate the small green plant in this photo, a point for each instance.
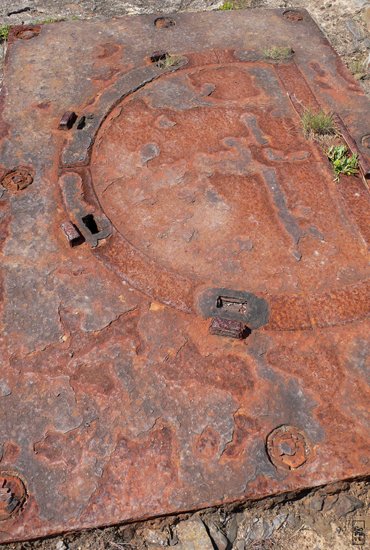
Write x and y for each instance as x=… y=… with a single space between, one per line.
x=49 y=20
x=168 y=61
x=317 y=124
x=358 y=68
x=278 y=53
x=4 y=32
x=227 y=6
x=342 y=161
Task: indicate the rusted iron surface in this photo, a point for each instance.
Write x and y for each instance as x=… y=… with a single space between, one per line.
x=199 y=201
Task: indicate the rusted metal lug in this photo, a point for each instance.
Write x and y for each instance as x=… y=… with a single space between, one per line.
x=72 y=234
x=67 y=121
x=13 y=495
x=287 y=447
x=227 y=327
x=93 y=226
x=235 y=305
x=17 y=179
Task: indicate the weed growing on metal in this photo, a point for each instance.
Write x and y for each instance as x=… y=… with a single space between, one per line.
x=4 y=32
x=49 y=21
x=278 y=53
x=358 y=68
x=227 y=6
x=318 y=124
x=342 y=161
x=169 y=61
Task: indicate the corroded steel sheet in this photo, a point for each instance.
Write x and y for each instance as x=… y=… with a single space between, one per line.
x=184 y=288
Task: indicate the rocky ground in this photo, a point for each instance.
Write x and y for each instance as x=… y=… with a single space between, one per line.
x=322 y=519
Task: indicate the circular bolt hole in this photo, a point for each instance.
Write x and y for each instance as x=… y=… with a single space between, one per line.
x=17 y=179
x=13 y=495
x=293 y=15
x=164 y=23
x=287 y=447
x=365 y=140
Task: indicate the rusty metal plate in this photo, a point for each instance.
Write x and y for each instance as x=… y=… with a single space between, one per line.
x=184 y=287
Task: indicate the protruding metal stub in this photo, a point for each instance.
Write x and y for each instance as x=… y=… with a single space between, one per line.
x=67 y=121
x=72 y=234
x=228 y=328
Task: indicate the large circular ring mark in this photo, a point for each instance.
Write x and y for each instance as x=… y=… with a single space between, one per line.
x=13 y=495
x=287 y=447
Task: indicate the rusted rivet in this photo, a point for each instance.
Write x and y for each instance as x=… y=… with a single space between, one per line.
x=72 y=234
x=287 y=447
x=17 y=179
x=67 y=120
x=164 y=22
x=228 y=327
x=13 y=495
x=293 y=15
x=365 y=140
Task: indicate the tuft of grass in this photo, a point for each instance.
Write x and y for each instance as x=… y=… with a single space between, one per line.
x=278 y=53
x=4 y=32
x=318 y=124
x=358 y=68
x=227 y=6
x=49 y=21
x=169 y=61
x=342 y=161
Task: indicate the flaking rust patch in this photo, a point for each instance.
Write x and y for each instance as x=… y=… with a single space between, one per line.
x=183 y=286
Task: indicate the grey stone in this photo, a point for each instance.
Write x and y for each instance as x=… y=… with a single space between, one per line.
x=217 y=536
x=156 y=536
x=4 y=389
x=61 y=545
x=193 y=535
x=359 y=4
x=279 y=521
x=259 y=530
x=316 y=503
x=233 y=525
x=293 y=522
x=356 y=30
x=346 y=504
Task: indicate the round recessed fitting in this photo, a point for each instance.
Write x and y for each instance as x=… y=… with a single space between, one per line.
x=13 y=495
x=293 y=15
x=287 y=447
x=27 y=32
x=17 y=179
x=164 y=23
